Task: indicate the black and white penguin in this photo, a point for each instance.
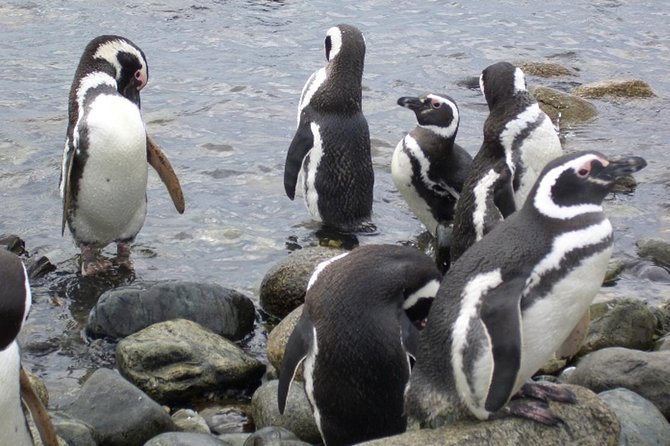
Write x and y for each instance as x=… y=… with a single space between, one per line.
x=15 y=302
x=516 y=132
x=104 y=173
x=331 y=146
x=428 y=167
x=511 y=299
x=354 y=338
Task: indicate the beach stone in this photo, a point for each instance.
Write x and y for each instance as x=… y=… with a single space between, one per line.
x=614 y=269
x=645 y=373
x=74 y=432
x=545 y=69
x=641 y=422
x=188 y=420
x=297 y=417
x=235 y=439
x=626 y=88
x=186 y=439
x=39 y=387
x=226 y=419
x=573 y=109
x=655 y=249
x=274 y=436
x=118 y=413
x=178 y=359
x=663 y=343
x=126 y=310
x=278 y=338
x=284 y=285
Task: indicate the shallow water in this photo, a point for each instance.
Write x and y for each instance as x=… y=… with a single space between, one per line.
x=225 y=79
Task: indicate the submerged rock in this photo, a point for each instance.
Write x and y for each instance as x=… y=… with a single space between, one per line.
x=278 y=338
x=655 y=249
x=627 y=88
x=546 y=69
x=641 y=422
x=572 y=109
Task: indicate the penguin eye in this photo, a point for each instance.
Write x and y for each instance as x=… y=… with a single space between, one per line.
x=436 y=104
x=584 y=171
x=138 y=74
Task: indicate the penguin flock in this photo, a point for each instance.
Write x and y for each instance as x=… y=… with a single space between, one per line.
x=386 y=333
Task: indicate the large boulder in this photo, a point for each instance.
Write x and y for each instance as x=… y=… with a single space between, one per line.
x=572 y=109
x=625 y=88
x=641 y=422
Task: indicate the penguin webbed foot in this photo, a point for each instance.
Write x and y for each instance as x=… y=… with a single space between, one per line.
x=546 y=391
x=123 y=256
x=534 y=410
x=92 y=263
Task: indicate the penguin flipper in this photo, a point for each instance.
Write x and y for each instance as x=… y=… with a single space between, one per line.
x=504 y=195
x=68 y=161
x=302 y=143
x=159 y=161
x=37 y=411
x=501 y=315
x=297 y=347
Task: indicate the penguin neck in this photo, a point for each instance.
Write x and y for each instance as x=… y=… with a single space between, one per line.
x=13 y=429
x=342 y=91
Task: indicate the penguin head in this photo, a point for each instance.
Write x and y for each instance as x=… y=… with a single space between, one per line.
x=437 y=113
x=501 y=81
x=577 y=183
x=15 y=297
x=345 y=42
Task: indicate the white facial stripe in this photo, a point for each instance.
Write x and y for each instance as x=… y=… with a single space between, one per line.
x=445 y=132
x=335 y=41
x=543 y=201
x=109 y=50
x=320 y=267
x=315 y=154
x=311 y=86
x=519 y=81
x=429 y=290
x=482 y=190
x=514 y=128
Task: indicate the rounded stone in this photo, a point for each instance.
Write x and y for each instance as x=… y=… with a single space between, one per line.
x=655 y=249
x=186 y=439
x=546 y=69
x=625 y=88
x=641 y=422
x=278 y=338
x=572 y=109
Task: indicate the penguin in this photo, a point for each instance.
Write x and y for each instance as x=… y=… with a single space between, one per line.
x=15 y=302
x=428 y=168
x=104 y=172
x=516 y=132
x=330 y=150
x=513 y=298
x=358 y=317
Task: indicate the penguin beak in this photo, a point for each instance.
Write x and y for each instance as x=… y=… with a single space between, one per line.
x=411 y=103
x=621 y=167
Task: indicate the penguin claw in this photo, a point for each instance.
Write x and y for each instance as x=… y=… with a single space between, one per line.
x=546 y=391
x=533 y=410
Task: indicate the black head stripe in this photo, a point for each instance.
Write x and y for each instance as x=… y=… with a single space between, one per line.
x=12 y=297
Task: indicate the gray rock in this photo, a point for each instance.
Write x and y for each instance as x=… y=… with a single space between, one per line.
x=188 y=420
x=614 y=269
x=119 y=413
x=663 y=343
x=278 y=338
x=616 y=89
x=573 y=109
x=126 y=310
x=283 y=287
x=641 y=422
x=186 y=439
x=590 y=422
x=645 y=373
x=545 y=69
x=297 y=417
x=273 y=436
x=656 y=249
x=74 y=432
x=179 y=359
x=235 y=439
x=226 y=419
x=626 y=323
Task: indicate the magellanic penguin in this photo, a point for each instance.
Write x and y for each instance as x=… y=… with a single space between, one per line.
x=103 y=181
x=516 y=132
x=330 y=150
x=354 y=338
x=428 y=167
x=511 y=299
x=15 y=302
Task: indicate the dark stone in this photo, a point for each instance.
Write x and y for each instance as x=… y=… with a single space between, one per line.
x=641 y=422
x=186 y=439
x=13 y=243
x=74 y=432
x=274 y=436
x=655 y=249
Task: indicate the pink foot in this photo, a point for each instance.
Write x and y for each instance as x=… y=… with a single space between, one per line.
x=91 y=263
x=123 y=256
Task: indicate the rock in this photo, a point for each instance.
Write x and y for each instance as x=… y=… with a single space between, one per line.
x=297 y=417
x=627 y=323
x=188 y=420
x=615 y=89
x=283 y=287
x=545 y=69
x=641 y=422
x=573 y=109
x=13 y=243
x=655 y=249
x=645 y=373
x=179 y=359
x=126 y=310
x=74 y=432
x=236 y=439
x=589 y=422
x=226 y=419
x=663 y=343
x=186 y=439
x=614 y=268
x=278 y=338
x=662 y=313
x=119 y=413
x=39 y=387
x=273 y=436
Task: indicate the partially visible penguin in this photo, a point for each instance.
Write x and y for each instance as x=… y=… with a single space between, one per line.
x=517 y=132
x=428 y=167
x=103 y=180
x=511 y=299
x=354 y=338
x=331 y=147
x=15 y=302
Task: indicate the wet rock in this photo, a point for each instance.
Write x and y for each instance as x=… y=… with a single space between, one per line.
x=283 y=287
x=188 y=420
x=297 y=417
x=645 y=373
x=655 y=249
x=663 y=343
x=39 y=387
x=614 y=269
x=471 y=83
x=628 y=88
x=13 y=243
x=625 y=323
x=74 y=432
x=236 y=439
x=119 y=413
x=226 y=419
x=278 y=338
x=274 y=436
x=546 y=69
x=641 y=422
x=186 y=439
x=662 y=313
x=573 y=110
x=126 y=310
x=589 y=422
x=178 y=359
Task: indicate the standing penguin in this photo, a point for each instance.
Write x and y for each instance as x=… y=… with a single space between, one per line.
x=354 y=337
x=15 y=302
x=331 y=146
x=515 y=296
x=103 y=180
x=428 y=167
x=519 y=140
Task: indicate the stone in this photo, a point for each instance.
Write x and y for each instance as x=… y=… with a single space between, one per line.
x=645 y=373
x=74 y=432
x=226 y=419
x=273 y=436
x=179 y=359
x=284 y=285
x=278 y=338
x=118 y=413
x=641 y=422
x=614 y=269
x=236 y=439
x=655 y=249
x=186 y=439
x=626 y=88
x=545 y=69
x=188 y=420
x=573 y=110
x=39 y=387
x=663 y=343
x=126 y=310
x=590 y=422
x=297 y=417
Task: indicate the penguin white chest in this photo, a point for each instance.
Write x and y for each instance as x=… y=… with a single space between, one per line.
x=13 y=429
